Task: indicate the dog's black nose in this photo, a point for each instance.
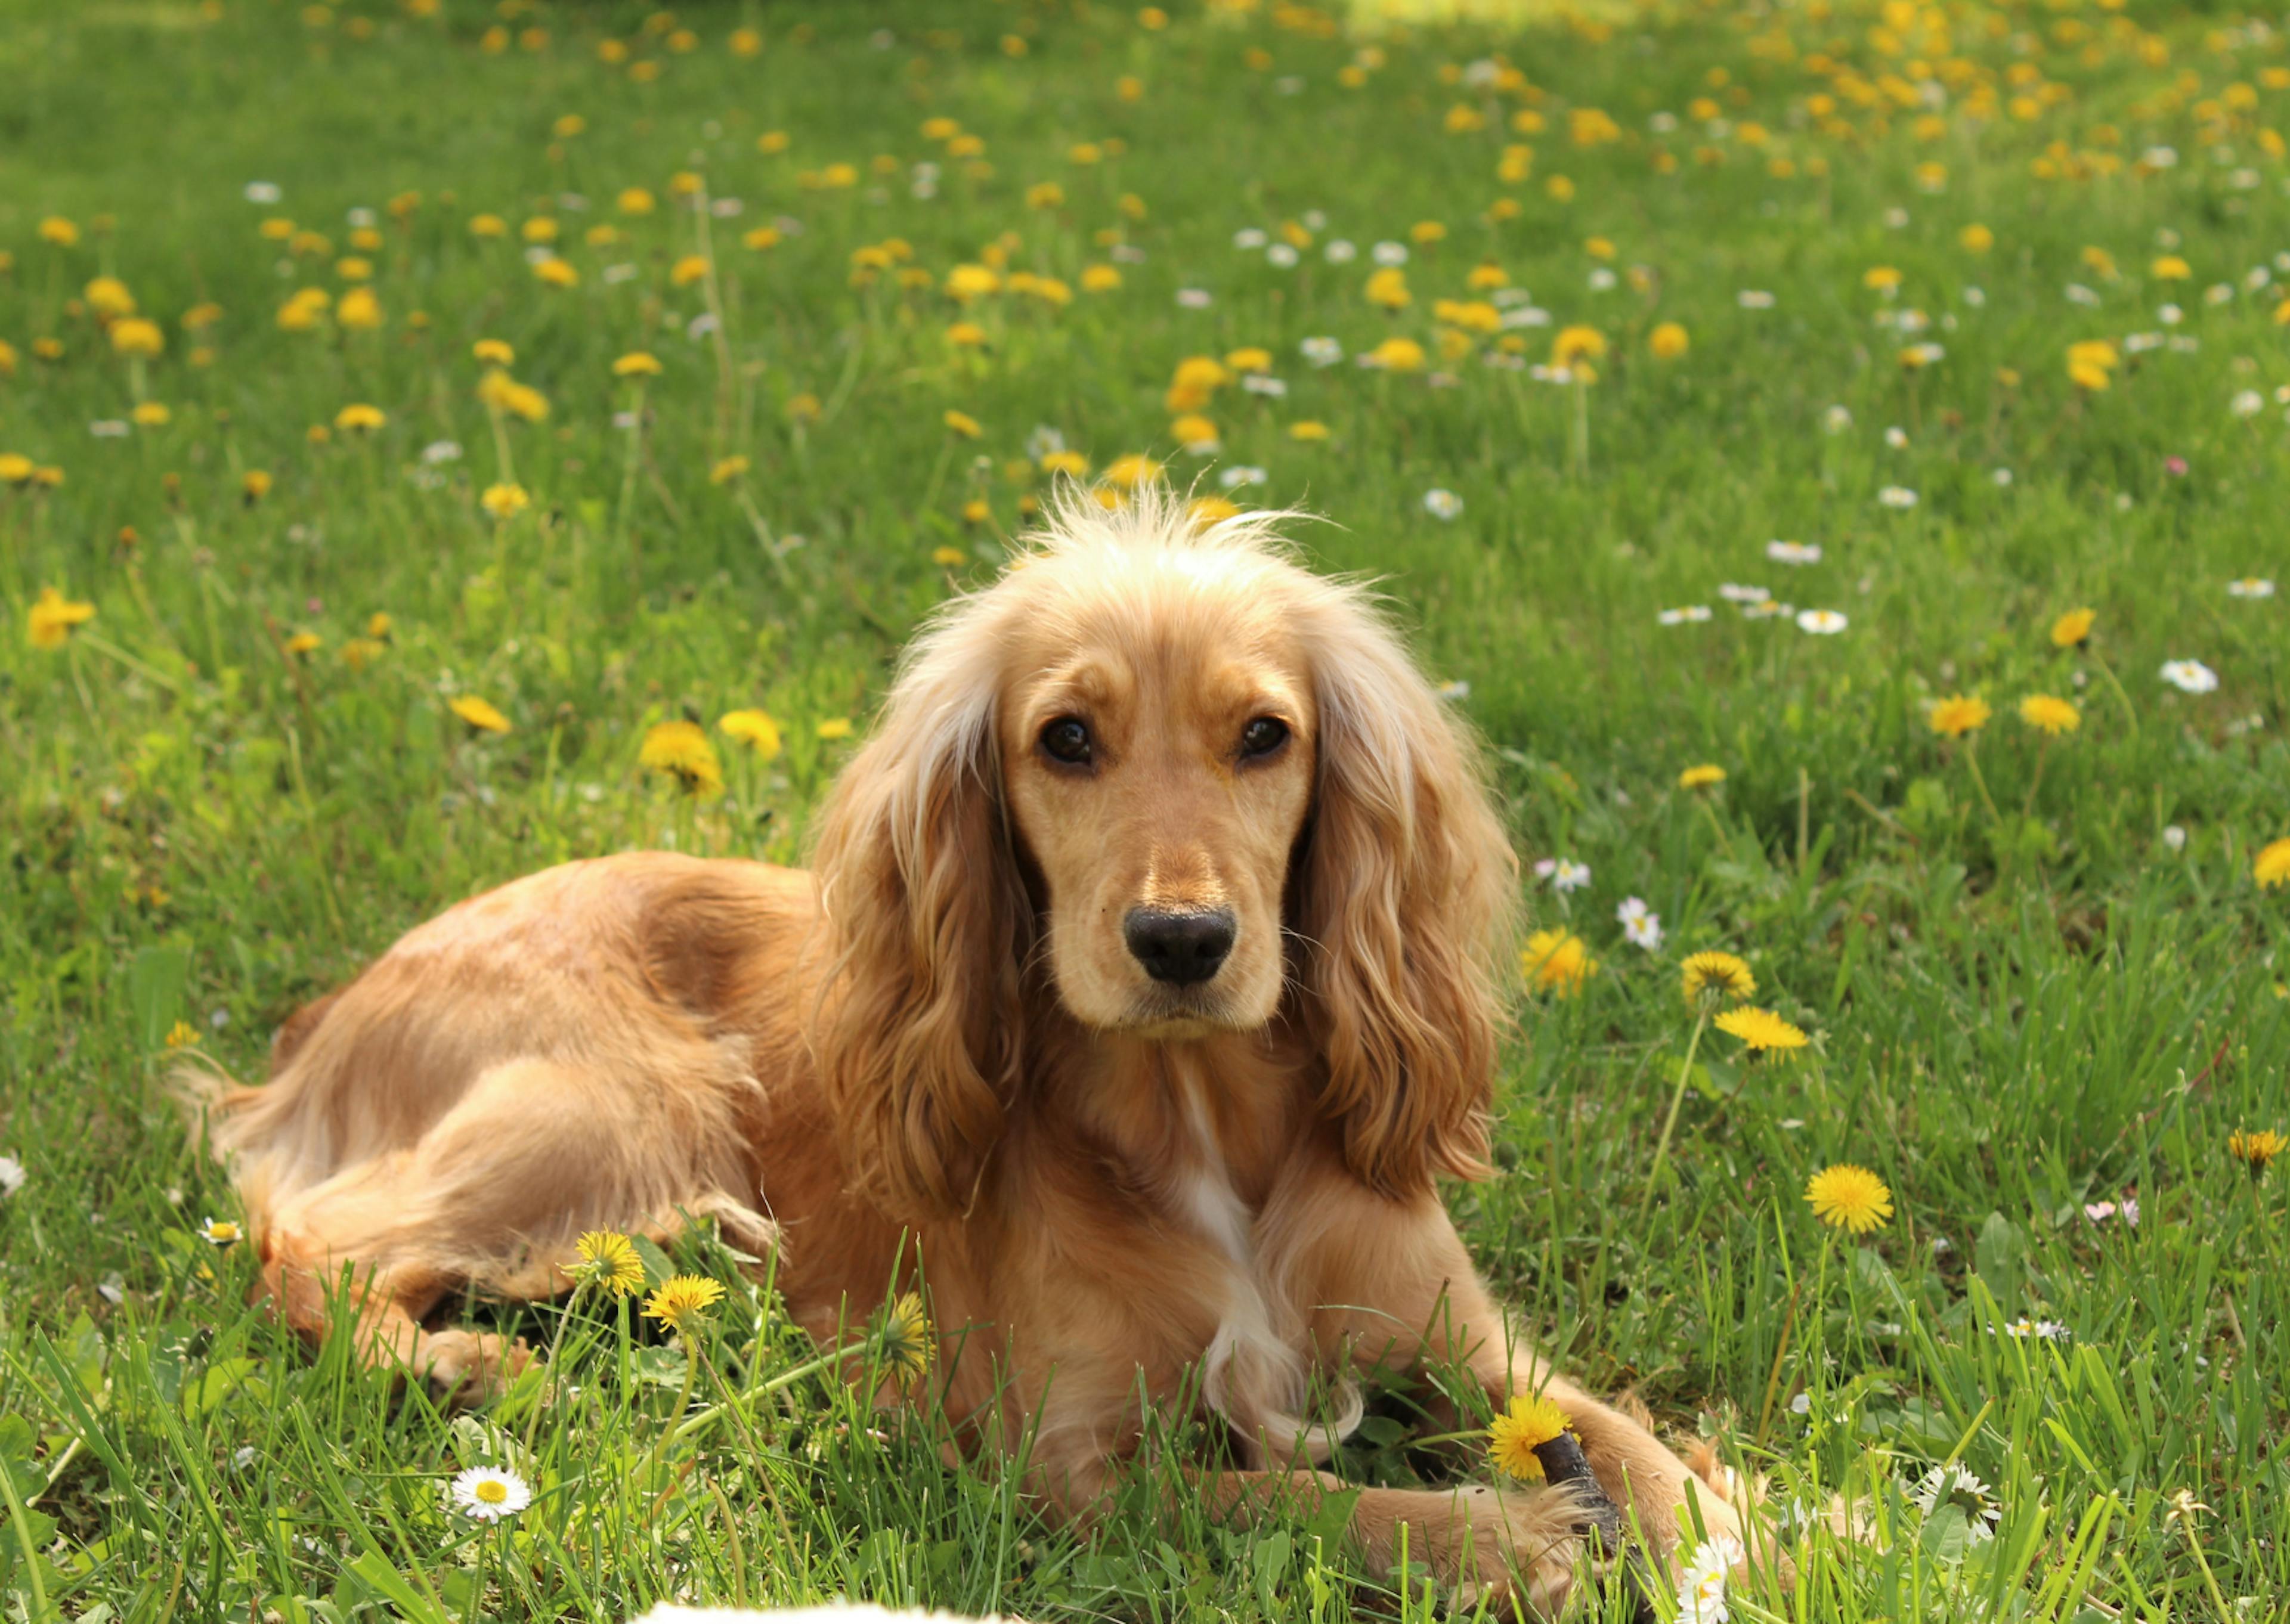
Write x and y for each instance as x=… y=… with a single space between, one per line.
x=1180 y=949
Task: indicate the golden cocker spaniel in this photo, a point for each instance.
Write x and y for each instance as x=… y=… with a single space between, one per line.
x=1145 y=981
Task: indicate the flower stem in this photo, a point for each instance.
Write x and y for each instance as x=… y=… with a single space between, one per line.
x=1677 y=1099
x=2130 y=711
x=2035 y=782
x=1972 y=760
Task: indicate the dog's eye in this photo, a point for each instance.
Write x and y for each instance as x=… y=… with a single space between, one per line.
x=1263 y=736
x=1067 y=739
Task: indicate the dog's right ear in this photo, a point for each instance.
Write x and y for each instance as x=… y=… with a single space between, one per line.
x=918 y=1031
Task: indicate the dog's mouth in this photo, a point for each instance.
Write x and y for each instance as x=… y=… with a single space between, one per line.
x=1162 y=1013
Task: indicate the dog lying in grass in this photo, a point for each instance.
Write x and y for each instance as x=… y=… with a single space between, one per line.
x=1145 y=981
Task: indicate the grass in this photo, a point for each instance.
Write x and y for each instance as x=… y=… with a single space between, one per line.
x=2038 y=977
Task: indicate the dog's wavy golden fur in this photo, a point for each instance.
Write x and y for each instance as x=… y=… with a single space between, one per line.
x=1144 y=982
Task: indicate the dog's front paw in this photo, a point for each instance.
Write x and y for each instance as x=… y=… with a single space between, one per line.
x=465 y=1368
x=1532 y=1547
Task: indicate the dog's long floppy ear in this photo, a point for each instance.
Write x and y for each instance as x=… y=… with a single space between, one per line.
x=1404 y=896
x=918 y=1029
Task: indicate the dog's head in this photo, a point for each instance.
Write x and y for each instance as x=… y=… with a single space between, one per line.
x=1164 y=776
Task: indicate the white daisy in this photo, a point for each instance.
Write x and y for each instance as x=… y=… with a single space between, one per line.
x=1387 y=253
x=1821 y=622
x=12 y=1175
x=2246 y=403
x=1564 y=873
x=222 y=1232
x=2250 y=586
x=1836 y=420
x=1280 y=255
x=2189 y=675
x=1733 y=593
x=264 y=192
x=1754 y=298
x=2174 y=837
x=1194 y=299
x=1897 y=496
x=1793 y=552
x=1266 y=385
x=1249 y=239
x=1955 y=1486
x=1897 y=437
x=487 y=1494
x=1680 y=617
x=1322 y=351
x=1442 y=504
x=1239 y=474
x=1701 y=1587
x=1641 y=925
x=1340 y=252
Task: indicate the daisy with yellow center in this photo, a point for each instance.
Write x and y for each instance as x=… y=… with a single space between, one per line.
x=1526 y=1424
x=1714 y=975
x=487 y=1493
x=1556 y=962
x=1849 y=1198
x=1765 y=1032
x=609 y=1259
x=222 y=1232
x=683 y=1303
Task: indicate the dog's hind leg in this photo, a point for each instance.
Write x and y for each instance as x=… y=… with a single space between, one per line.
x=492 y=1199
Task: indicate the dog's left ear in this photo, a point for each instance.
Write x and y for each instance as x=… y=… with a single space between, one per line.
x=1402 y=900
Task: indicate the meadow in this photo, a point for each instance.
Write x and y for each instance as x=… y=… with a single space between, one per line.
x=1826 y=447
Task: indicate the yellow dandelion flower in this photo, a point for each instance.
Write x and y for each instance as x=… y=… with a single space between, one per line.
x=905 y=1341
x=358 y=417
x=2272 y=866
x=1126 y=472
x=833 y=728
x=53 y=618
x=962 y=424
x=1397 y=354
x=1715 y=975
x=1849 y=1198
x=1526 y=1423
x=1765 y=1032
x=504 y=502
x=637 y=364
x=1575 y=344
x=2073 y=628
x=480 y=715
x=753 y=728
x=1557 y=961
x=680 y=750
x=137 y=338
x=2255 y=1149
x=493 y=352
x=182 y=1034
x=2050 y=715
x=1958 y=715
x=1702 y=777
x=609 y=1260
x=1669 y=341
x=683 y=1303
